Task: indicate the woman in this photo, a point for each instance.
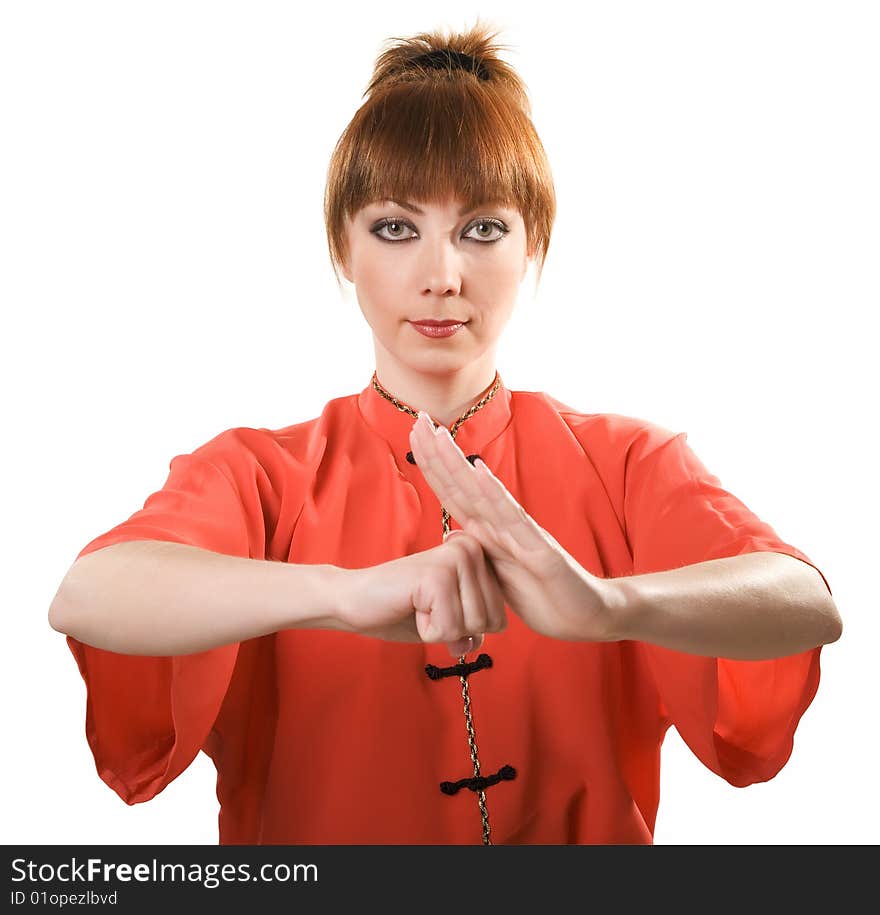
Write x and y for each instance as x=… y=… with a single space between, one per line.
x=289 y=600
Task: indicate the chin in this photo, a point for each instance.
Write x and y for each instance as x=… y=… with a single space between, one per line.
x=435 y=363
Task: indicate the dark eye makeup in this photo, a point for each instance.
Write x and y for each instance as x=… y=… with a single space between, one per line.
x=382 y=224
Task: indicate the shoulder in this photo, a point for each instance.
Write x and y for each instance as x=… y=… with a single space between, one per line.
x=302 y=442
x=598 y=433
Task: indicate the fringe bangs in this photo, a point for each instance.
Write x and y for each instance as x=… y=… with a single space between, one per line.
x=438 y=136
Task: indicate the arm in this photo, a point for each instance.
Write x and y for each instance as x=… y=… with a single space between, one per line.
x=755 y=606
x=159 y=598
x=751 y=606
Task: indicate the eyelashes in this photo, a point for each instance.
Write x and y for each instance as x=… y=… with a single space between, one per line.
x=393 y=221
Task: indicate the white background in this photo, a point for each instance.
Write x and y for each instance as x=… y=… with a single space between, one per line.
x=713 y=268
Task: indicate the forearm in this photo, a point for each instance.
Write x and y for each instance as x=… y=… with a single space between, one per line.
x=157 y=598
x=756 y=606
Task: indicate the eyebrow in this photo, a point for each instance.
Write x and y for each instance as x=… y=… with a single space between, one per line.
x=415 y=209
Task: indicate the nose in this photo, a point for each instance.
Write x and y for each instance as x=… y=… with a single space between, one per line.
x=441 y=268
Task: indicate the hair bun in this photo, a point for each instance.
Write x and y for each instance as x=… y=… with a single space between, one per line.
x=448 y=59
x=429 y=56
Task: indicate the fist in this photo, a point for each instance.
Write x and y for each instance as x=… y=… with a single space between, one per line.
x=445 y=594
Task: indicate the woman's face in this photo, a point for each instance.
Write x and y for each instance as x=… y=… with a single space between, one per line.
x=415 y=261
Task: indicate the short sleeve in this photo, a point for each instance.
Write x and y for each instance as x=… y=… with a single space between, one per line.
x=148 y=717
x=738 y=716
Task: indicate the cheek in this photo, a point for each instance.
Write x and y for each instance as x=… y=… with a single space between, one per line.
x=378 y=285
x=496 y=279
x=378 y=270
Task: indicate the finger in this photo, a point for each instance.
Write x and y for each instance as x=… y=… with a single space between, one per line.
x=490 y=592
x=493 y=596
x=475 y=497
x=438 y=459
x=518 y=534
x=448 y=472
x=444 y=621
x=426 y=452
x=473 y=601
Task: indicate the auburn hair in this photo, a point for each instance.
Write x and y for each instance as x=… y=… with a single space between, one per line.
x=444 y=118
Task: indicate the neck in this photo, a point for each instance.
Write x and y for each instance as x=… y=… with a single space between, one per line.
x=443 y=396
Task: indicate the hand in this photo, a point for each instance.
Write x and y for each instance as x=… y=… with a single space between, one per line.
x=445 y=594
x=545 y=586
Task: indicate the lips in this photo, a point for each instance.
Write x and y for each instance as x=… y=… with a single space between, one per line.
x=432 y=323
x=436 y=329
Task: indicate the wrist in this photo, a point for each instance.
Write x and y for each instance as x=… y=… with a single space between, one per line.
x=339 y=586
x=586 y=607
x=621 y=603
x=322 y=599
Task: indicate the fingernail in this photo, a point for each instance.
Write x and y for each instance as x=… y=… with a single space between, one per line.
x=461 y=647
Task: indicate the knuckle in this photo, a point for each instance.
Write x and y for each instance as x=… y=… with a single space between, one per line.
x=470 y=545
x=462 y=541
x=500 y=620
x=457 y=544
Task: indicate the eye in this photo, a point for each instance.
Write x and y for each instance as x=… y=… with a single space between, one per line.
x=489 y=224
x=392 y=229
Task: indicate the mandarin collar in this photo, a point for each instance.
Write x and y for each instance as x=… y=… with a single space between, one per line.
x=473 y=435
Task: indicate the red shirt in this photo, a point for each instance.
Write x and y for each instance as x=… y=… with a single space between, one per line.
x=323 y=737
